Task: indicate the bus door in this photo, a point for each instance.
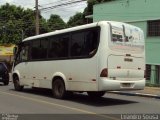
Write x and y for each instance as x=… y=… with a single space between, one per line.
x=24 y=65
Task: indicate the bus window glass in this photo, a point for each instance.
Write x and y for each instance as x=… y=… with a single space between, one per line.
x=91 y=41
x=58 y=47
x=53 y=47
x=43 y=48
x=35 y=50
x=77 y=44
x=24 y=52
x=126 y=38
x=117 y=35
x=64 y=46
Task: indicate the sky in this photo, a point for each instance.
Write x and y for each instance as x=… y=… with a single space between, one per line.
x=64 y=11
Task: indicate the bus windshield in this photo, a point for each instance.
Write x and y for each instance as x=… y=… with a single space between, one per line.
x=126 y=37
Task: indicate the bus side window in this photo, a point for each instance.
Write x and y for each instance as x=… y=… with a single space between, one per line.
x=53 y=47
x=91 y=42
x=25 y=53
x=64 y=46
x=35 y=50
x=58 y=47
x=43 y=49
x=23 y=56
x=77 y=44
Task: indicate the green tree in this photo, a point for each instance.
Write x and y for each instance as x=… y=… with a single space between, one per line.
x=27 y=22
x=55 y=22
x=8 y=15
x=77 y=19
x=16 y=20
x=43 y=26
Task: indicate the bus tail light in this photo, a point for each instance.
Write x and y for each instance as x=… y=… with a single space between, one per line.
x=104 y=73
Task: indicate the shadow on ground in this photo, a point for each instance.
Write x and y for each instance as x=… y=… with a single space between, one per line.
x=79 y=98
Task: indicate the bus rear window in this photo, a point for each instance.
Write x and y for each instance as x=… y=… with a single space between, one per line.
x=126 y=37
x=116 y=37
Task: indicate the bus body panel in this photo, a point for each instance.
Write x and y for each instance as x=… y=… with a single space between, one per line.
x=83 y=75
x=124 y=67
x=76 y=75
x=23 y=72
x=109 y=85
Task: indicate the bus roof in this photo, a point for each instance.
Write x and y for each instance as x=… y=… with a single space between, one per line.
x=56 y=32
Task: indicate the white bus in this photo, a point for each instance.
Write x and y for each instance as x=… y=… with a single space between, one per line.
x=92 y=58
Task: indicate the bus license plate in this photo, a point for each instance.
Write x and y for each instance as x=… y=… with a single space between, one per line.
x=126 y=85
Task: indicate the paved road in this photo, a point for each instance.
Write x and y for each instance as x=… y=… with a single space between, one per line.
x=40 y=101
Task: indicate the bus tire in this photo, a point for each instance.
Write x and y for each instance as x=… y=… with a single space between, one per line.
x=58 y=88
x=16 y=83
x=94 y=94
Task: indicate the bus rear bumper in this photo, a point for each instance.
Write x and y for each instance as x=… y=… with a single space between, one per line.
x=109 y=85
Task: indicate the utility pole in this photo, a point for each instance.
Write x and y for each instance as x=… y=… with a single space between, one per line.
x=37 y=17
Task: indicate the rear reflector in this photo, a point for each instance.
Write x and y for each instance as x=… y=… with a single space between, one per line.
x=128 y=55
x=104 y=73
x=118 y=67
x=94 y=80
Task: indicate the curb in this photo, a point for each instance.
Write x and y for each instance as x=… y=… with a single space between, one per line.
x=136 y=94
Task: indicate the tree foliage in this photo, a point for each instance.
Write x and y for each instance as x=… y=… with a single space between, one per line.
x=77 y=19
x=14 y=21
x=17 y=23
x=55 y=22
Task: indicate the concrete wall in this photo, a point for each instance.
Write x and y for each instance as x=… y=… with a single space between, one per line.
x=127 y=10
x=136 y=12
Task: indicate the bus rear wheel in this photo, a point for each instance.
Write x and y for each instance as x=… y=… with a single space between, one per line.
x=17 y=85
x=58 y=89
x=94 y=94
